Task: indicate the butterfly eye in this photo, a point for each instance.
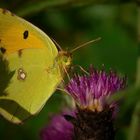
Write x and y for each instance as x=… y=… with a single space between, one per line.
x=25 y=34
x=67 y=60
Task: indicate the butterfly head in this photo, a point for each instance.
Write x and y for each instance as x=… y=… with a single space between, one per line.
x=65 y=58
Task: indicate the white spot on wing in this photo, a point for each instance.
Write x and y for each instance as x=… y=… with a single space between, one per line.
x=21 y=74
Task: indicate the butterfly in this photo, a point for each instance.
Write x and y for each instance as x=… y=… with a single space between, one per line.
x=31 y=67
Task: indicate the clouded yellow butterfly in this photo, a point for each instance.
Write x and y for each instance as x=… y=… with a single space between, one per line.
x=31 y=67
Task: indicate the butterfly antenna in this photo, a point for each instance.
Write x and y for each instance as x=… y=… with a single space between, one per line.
x=57 y=45
x=85 y=44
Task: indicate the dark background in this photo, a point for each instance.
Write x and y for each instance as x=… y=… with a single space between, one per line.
x=71 y=23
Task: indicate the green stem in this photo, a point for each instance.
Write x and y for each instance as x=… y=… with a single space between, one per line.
x=138 y=60
x=38 y=6
x=133 y=131
x=134 y=134
x=31 y=7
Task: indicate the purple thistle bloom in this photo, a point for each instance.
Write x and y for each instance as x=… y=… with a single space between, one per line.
x=59 y=128
x=90 y=91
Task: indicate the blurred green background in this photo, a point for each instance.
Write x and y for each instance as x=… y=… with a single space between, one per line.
x=73 y=22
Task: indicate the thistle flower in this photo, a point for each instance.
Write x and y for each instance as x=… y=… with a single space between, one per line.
x=59 y=128
x=94 y=116
x=91 y=91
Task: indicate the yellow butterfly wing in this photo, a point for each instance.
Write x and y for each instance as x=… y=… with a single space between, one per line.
x=31 y=55
x=16 y=30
